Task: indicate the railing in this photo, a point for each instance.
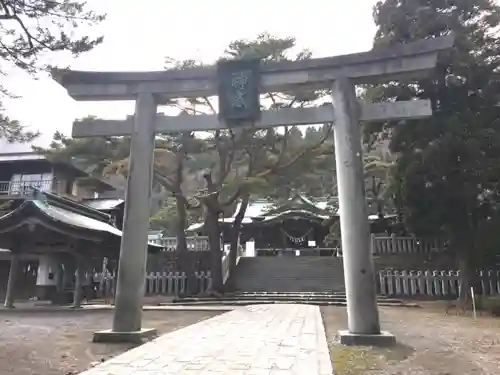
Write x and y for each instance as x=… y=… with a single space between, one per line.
x=380 y=245
x=195 y=243
x=173 y=283
x=200 y=243
x=436 y=284
x=24 y=188
x=314 y=251
x=406 y=245
x=159 y=283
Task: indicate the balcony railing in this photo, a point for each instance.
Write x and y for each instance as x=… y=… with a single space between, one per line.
x=14 y=189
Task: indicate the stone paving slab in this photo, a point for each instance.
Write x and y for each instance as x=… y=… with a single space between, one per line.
x=30 y=307
x=280 y=339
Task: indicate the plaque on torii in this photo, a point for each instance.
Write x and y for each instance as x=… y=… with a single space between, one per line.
x=239 y=91
x=340 y=74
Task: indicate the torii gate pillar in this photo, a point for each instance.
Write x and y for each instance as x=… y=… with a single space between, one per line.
x=133 y=255
x=359 y=273
x=127 y=319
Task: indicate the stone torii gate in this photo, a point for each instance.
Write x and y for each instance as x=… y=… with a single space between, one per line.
x=340 y=74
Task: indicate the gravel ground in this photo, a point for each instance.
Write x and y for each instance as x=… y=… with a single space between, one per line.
x=429 y=343
x=59 y=343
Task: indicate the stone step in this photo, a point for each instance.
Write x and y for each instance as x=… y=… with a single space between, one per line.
x=289 y=274
x=225 y=302
x=292 y=297
x=279 y=297
x=288 y=294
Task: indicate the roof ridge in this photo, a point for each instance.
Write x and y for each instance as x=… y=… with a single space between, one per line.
x=71 y=205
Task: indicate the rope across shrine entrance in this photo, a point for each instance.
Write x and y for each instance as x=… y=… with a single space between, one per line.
x=300 y=240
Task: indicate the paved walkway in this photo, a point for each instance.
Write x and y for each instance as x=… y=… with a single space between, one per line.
x=32 y=307
x=256 y=340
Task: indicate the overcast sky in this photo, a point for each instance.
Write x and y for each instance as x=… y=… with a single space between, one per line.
x=138 y=35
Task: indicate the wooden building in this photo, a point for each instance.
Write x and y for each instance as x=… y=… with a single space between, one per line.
x=69 y=239
x=298 y=225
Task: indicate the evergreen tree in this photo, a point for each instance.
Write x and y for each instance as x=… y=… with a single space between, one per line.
x=446 y=178
x=28 y=29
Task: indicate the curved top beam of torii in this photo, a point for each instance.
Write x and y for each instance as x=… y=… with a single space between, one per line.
x=378 y=65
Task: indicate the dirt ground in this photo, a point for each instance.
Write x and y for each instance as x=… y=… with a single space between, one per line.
x=429 y=343
x=59 y=343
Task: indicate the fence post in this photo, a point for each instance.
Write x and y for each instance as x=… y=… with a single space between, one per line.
x=183 y=282
x=421 y=283
x=437 y=284
x=413 y=283
x=428 y=283
x=382 y=281
x=164 y=281
x=397 y=282
x=445 y=283
x=390 y=283
x=497 y=282
x=394 y=249
x=203 y=280
x=452 y=276
x=483 y=281
x=176 y=283
x=459 y=283
x=209 y=278
x=404 y=279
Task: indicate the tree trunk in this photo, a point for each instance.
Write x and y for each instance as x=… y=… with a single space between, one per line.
x=235 y=234
x=213 y=232
x=184 y=263
x=464 y=244
x=467 y=267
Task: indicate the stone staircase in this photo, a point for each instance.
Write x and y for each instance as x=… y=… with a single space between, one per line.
x=262 y=298
x=289 y=275
x=268 y=280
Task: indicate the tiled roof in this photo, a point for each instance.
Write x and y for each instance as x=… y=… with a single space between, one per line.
x=103 y=204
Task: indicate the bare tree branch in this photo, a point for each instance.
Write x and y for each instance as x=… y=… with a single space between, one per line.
x=299 y=155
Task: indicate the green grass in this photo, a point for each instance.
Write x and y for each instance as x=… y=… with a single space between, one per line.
x=354 y=360
x=357 y=360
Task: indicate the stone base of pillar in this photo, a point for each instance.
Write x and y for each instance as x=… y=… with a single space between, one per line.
x=383 y=339
x=137 y=337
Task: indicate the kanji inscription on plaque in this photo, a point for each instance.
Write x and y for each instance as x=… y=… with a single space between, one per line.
x=239 y=82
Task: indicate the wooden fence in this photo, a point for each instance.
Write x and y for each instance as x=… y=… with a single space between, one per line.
x=437 y=284
x=170 y=283
x=382 y=245
x=159 y=283
x=194 y=243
